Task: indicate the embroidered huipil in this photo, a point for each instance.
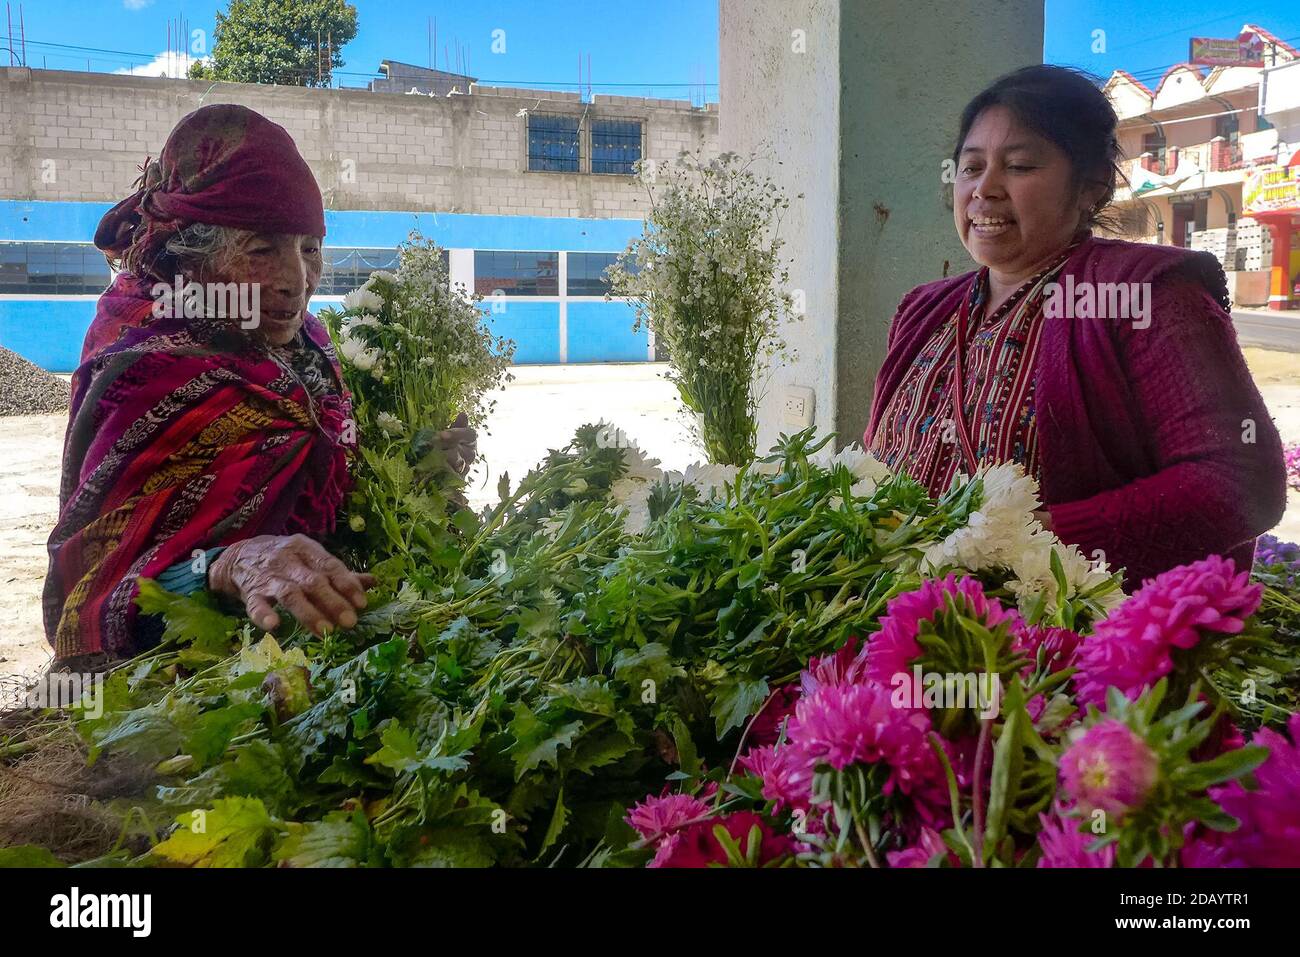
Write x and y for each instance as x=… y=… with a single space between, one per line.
x=917 y=432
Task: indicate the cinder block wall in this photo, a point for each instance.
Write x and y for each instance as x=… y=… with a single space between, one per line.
x=82 y=136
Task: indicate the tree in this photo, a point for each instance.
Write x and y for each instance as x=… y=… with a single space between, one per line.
x=279 y=41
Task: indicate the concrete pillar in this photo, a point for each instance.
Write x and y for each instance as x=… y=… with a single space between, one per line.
x=855 y=105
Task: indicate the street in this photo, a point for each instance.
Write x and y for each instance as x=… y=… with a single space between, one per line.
x=1268 y=329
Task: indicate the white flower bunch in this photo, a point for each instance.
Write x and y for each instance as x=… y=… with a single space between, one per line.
x=632 y=490
x=415 y=350
x=1002 y=533
x=706 y=275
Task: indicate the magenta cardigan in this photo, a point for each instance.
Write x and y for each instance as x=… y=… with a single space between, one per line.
x=1156 y=446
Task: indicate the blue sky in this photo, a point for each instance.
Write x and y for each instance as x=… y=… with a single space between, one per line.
x=663 y=47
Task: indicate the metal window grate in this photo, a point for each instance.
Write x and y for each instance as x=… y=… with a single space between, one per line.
x=615 y=146
x=553 y=143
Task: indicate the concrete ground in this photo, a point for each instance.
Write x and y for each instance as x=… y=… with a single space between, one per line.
x=538 y=411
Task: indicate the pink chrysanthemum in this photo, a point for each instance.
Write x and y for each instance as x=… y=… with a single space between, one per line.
x=1057 y=646
x=927 y=845
x=1269 y=835
x=1063 y=845
x=785 y=772
x=657 y=818
x=1130 y=650
x=856 y=724
x=697 y=846
x=1110 y=768
x=847 y=665
x=894 y=648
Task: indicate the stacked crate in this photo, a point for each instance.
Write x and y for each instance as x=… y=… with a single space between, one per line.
x=1254 y=244
x=1221 y=242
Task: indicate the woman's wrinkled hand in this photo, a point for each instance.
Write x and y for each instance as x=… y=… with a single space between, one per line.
x=459 y=444
x=292 y=571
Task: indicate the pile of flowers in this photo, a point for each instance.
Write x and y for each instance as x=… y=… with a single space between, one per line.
x=707 y=277
x=1081 y=753
x=1292 y=458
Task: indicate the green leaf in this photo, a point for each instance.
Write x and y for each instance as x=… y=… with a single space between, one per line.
x=558 y=818
x=734 y=700
x=651 y=661
x=206 y=740
x=401 y=753
x=28 y=855
x=536 y=743
x=598 y=750
x=1226 y=767
x=191 y=619
x=337 y=842
x=233 y=833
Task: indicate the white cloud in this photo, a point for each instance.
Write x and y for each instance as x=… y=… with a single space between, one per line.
x=174 y=65
x=136 y=4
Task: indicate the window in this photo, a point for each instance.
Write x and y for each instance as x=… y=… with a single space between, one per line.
x=615 y=146
x=1154 y=143
x=53 y=269
x=516 y=273
x=347 y=268
x=586 y=273
x=553 y=143
x=1228 y=127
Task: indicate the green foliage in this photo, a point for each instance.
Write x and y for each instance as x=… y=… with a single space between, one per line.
x=279 y=41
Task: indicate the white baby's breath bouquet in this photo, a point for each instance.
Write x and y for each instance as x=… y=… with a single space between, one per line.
x=415 y=354
x=707 y=278
x=414 y=349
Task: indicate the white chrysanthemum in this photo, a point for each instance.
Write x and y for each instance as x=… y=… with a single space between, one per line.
x=708 y=479
x=633 y=495
x=363 y=298
x=391 y=424
x=639 y=465
x=1003 y=533
x=358 y=353
x=862 y=464
x=353 y=322
x=378 y=274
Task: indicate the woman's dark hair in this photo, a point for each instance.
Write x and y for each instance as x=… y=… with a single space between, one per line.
x=1065 y=107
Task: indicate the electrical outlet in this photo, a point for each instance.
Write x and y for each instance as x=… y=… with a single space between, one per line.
x=799 y=407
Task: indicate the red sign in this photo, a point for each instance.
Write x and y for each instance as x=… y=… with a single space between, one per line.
x=1245 y=50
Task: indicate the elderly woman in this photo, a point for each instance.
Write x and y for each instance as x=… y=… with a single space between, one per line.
x=207 y=450
x=1133 y=409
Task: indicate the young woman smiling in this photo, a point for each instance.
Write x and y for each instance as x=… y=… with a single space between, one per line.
x=1150 y=442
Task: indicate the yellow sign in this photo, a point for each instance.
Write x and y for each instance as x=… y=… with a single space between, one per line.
x=1269 y=188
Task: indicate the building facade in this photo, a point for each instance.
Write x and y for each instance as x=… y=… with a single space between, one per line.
x=1191 y=146
x=531 y=192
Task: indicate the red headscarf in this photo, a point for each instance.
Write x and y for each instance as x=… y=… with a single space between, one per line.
x=223 y=164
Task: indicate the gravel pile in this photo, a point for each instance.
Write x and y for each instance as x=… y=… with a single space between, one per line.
x=26 y=389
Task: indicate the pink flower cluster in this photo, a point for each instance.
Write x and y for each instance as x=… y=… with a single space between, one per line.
x=681 y=829
x=893 y=649
x=1109 y=768
x=1131 y=649
x=1269 y=812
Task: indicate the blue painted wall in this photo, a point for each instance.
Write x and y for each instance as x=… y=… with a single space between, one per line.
x=535 y=327
x=602 y=332
x=49 y=331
